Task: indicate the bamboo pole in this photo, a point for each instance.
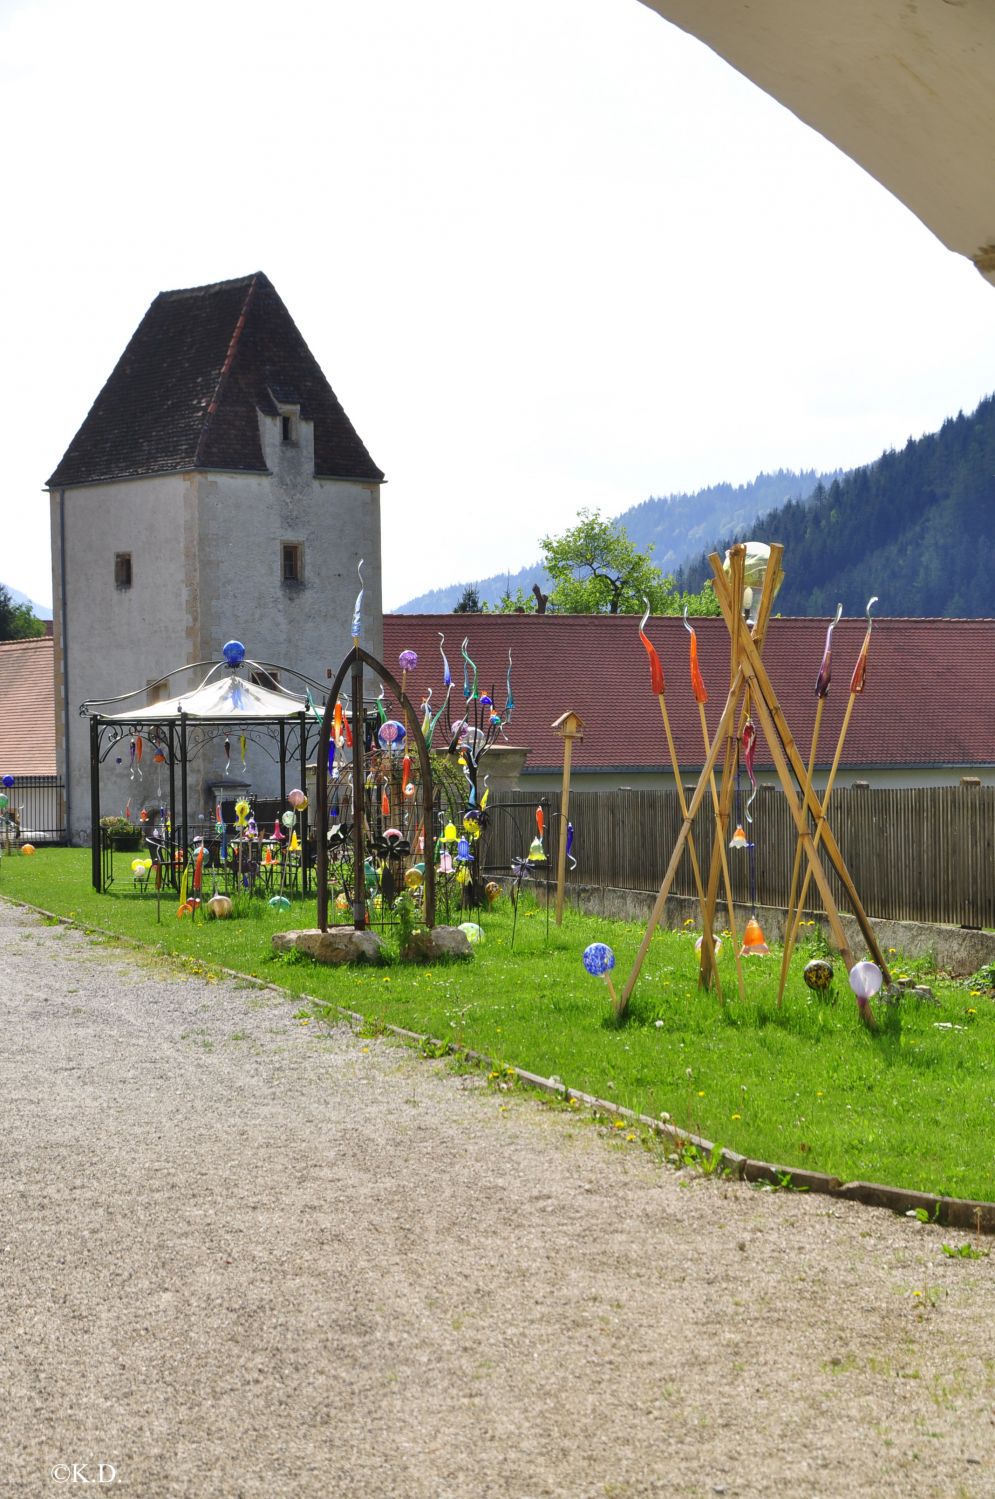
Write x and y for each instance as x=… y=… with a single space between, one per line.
x=682 y=837
x=822 y=685
x=773 y=715
x=658 y=684
x=791 y=918
x=724 y=859
x=561 y=853
x=791 y=935
x=707 y=937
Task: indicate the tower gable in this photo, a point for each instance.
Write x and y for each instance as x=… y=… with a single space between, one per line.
x=188 y=390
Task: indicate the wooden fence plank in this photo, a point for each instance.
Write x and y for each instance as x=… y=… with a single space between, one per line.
x=915 y=853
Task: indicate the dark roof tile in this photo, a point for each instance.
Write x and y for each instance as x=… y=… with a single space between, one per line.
x=185 y=392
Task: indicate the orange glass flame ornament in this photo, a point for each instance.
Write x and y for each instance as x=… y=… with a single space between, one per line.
x=754 y=945
x=739 y=838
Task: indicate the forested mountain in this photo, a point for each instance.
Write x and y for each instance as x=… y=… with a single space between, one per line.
x=677 y=525
x=913 y=527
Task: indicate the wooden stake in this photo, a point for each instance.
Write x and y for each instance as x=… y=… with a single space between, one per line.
x=723 y=859
x=707 y=938
x=569 y=726
x=774 y=723
x=791 y=918
x=682 y=837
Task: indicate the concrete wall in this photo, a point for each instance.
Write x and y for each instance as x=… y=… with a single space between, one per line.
x=206 y=567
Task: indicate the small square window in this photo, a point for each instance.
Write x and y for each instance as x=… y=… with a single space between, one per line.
x=122 y=569
x=292 y=561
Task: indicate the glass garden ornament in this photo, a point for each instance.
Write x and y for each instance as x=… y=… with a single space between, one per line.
x=599 y=960
x=408 y=660
x=297 y=799
x=818 y=975
x=391 y=734
x=279 y=903
x=865 y=980
x=717 y=942
x=288 y=819
x=754 y=945
x=234 y=653
x=739 y=838
x=473 y=933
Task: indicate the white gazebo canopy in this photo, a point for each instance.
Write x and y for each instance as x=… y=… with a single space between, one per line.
x=221 y=699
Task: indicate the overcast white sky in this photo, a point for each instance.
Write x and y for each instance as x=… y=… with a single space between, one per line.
x=549 y=253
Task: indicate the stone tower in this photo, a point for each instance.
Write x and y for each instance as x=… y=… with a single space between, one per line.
x=215 y=489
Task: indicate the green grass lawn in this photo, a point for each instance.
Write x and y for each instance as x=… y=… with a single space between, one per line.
x=911 y=1105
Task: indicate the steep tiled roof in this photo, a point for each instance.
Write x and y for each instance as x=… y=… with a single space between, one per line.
x=27 y=707
x=185 y=392
x=929 y=697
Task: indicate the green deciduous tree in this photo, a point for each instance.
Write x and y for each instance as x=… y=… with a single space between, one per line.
x=16 y=620
x=596 y=569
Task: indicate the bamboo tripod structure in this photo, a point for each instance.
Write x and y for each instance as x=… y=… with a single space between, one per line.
x=747 y=670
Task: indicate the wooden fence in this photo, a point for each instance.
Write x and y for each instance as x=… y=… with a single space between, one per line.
x=915 y=853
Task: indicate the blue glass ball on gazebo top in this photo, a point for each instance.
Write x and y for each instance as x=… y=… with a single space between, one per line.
x=234 y=652
x=8 y=781
x=599 y=959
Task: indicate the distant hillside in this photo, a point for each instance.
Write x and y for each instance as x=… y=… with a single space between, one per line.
x=913 y=527
x=678 y=526
x=40 y=611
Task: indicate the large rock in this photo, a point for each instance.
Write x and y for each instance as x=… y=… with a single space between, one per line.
x=431 y=945
x=340 y=944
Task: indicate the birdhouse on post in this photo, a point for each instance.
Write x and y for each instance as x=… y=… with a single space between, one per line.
x=570 y=727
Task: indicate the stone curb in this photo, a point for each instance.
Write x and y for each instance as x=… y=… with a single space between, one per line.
x=948 y=1212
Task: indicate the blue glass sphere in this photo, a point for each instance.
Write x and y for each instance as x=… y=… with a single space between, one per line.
x=599 y=959
x=234 y=652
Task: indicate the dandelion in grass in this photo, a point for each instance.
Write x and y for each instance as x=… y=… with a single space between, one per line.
x=735 y=1116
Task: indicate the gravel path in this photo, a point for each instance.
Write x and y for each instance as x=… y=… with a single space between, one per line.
x=245 y=1256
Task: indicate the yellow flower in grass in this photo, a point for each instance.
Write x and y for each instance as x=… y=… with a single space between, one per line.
x=735 y=1116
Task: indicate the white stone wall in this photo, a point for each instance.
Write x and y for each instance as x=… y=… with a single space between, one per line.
x=113 y=639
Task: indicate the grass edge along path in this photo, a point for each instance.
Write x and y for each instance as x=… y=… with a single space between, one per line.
x=695 y=1148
